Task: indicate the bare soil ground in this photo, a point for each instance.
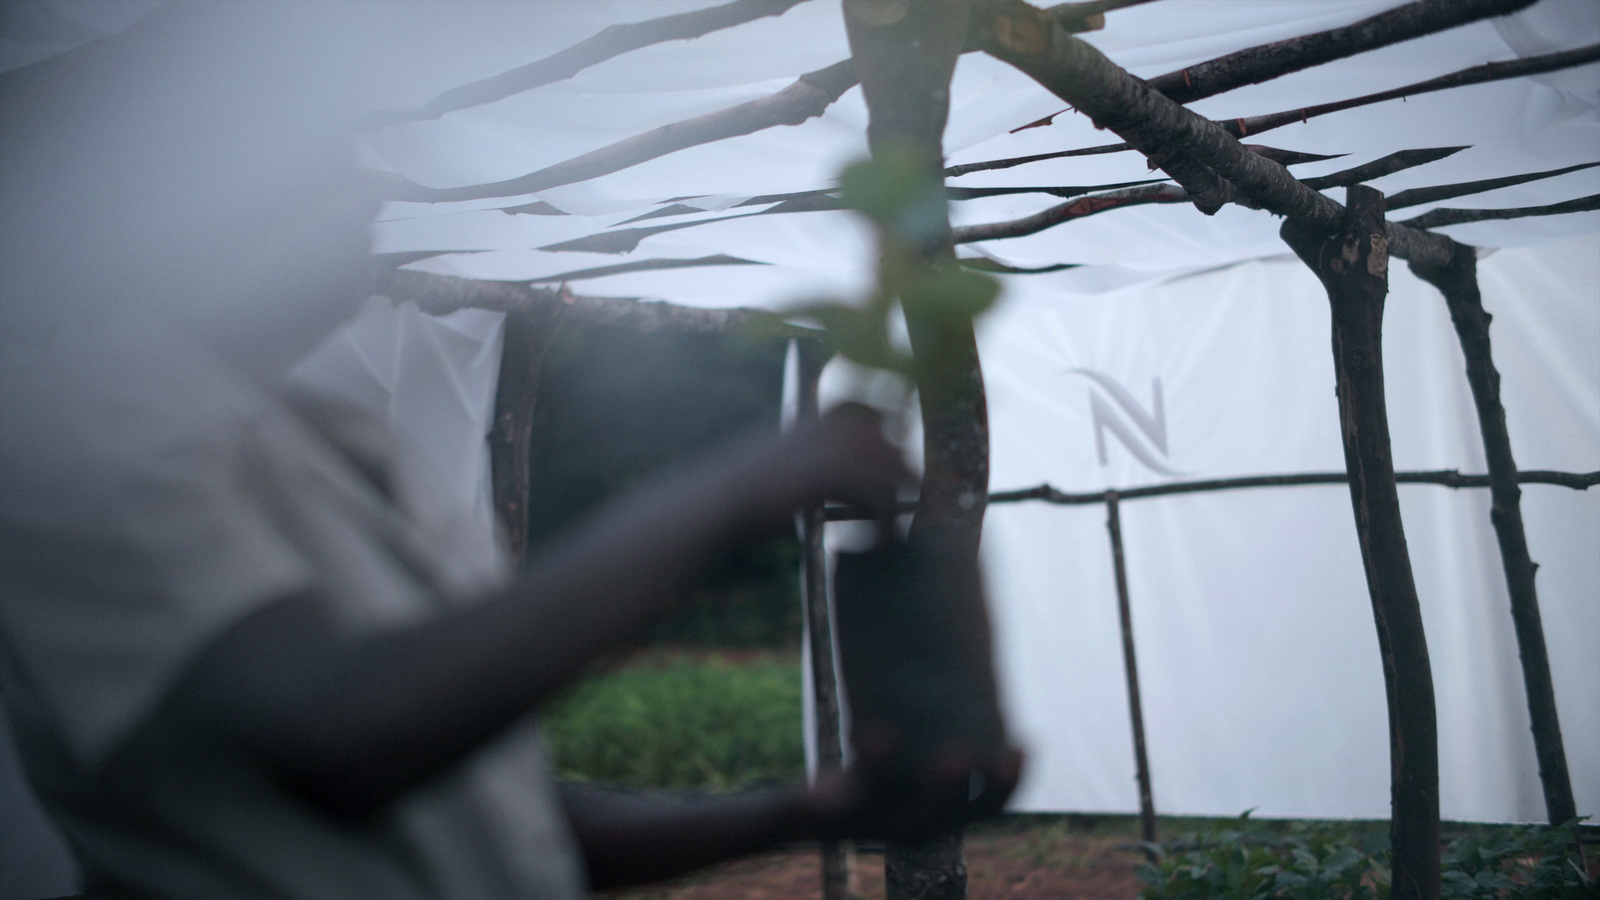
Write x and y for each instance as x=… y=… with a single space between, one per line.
x=1049 y=863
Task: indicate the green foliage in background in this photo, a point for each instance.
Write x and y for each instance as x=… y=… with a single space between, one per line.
x=1247 y=860
x=681 y=723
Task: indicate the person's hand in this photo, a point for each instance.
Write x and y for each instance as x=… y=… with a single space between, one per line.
x=873 y=801
x=845 y=457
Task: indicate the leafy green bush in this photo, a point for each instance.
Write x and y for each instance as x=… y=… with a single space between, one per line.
x=1312 y=860
x=677 y=722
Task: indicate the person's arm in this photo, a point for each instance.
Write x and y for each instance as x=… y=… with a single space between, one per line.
x=353 y=723
x=631 y=838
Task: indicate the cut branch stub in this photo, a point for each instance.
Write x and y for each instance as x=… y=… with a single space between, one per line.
x=1353 y=265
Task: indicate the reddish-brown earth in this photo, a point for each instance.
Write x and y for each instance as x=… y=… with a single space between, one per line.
x=1035 y=864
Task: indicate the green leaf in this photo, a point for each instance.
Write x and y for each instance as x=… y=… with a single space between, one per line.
x=861 y=335
x=900 y=192
x=951 y=294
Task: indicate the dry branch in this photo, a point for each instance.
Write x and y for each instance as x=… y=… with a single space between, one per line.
x=442 y=294
x=1418 y=196
x=1269 y=61
x=807 y=98
x=1076 y=72
x=1496 y=71
x=1450 y=478
x=1387 y=165
x=1437 y=218
x=1493 y=71
x=985 y=264
x=609 y=42
x=1395 y=162
x=812 y=93
x=626 y=240
x=1074 y=209
x=646 y=265
x=1458 y=282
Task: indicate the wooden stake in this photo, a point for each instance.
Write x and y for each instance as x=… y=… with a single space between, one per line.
x=1459 y=283
x=836 y=861
x=1353 y=267
x=529 y=332
x=1130 y=665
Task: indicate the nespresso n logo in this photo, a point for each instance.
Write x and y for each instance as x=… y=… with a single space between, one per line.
x=1143 y=433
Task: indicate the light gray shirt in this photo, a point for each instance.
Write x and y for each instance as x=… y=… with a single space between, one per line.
x=150 y=498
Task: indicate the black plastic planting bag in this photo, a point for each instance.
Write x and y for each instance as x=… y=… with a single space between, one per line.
x=914 y=643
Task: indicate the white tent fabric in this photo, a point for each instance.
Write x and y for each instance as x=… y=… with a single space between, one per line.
x=1255 y=644
x=1262 y=686
x=432 y=380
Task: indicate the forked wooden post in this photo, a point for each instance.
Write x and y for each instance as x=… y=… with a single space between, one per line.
x=1353 y=265
x=1130 y=666
x=1458 y=281
x=836 y=857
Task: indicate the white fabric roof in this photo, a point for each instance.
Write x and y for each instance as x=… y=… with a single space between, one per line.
x=1516 y=126
x=413 y=52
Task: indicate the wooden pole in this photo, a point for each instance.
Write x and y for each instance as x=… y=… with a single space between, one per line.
x=836 y=861
x=1353 y=266
x=1130 y=666
x=529 y=332
x=905 y=53
x=1458 y=281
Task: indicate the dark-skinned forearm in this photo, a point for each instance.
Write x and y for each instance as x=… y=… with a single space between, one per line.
x=633 y=838
x=354 y=722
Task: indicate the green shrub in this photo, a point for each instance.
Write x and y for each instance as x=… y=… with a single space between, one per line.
x=1312 y=860
x=677 y=722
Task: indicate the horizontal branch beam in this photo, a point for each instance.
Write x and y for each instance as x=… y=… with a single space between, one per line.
x=1017 y=33
x=1394 y=162
x=1421 y=195
x=1249 y=125
x=609 y=42
x=1450 y=478
x=1064 y=212
x=808 y=97
x=646 y=265
x=1268 y=61
x=441 y=294
x=1438 y=218
x=1484 y=74
x=1387 y=165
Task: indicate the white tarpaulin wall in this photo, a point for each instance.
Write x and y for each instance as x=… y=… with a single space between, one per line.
x=1261 y=676
x=1257 y=654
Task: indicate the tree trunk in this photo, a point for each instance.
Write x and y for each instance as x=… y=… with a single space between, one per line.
x=905 y=52
x=1353 y=267
x=1459 y=283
